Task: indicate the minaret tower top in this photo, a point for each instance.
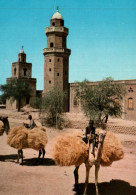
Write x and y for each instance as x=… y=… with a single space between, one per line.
x=21 y=69
x=57 y=15
x=22 y=55
x=57 y=19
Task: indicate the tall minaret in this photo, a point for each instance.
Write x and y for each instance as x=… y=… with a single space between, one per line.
x=56 y=57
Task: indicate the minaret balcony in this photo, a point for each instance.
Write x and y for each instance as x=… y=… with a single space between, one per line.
x=56 y=29
x=56 y=50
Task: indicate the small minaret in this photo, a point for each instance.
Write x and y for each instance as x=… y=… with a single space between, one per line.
x=56 y=57
x=21 y=69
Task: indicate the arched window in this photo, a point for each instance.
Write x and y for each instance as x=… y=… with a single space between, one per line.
x=62 y=22
x=130 y=103
x=15 y=70
x=75 y=102
x=51 y=44
x=25 y=71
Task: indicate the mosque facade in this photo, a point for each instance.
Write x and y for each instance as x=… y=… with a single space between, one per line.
x=56 y=71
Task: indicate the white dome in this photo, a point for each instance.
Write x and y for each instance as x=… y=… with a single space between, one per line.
x=57 y=15
x=21 y=51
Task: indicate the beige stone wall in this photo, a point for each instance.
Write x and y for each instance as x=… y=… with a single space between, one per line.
x=75 y=105
x=128 y=113
x=58 y=40
x=121 y=129
x=50 y=38
x=10 y=105
x=56 y=70
x=56 y=74
x=48 y=72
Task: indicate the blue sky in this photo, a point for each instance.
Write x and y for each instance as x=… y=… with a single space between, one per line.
x=102 y=37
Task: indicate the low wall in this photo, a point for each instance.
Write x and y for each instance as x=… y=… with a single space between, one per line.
x=114 y=128
x=122 y=129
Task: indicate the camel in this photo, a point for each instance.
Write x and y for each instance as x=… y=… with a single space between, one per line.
x=4 y=125
x=94 y=160
x=21 y=138
x=71 y=150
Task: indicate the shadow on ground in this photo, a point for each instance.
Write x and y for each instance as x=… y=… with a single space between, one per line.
x=28 y=162
x=41 y=162
x=8 y=157
x=114 y=187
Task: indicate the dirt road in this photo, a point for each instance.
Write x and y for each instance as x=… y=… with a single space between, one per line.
x=49 y=179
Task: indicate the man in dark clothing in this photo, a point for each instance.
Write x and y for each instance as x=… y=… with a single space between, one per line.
x=90 y=135
x=90 y=128
x=31 y=123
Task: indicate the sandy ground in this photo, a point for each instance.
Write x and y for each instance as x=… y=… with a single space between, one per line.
x=49 y=179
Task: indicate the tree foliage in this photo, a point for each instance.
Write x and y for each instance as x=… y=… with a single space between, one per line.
x=2 y=99
x=101 y=100
x=36 y=103
x=52 y=104
x=16 y=90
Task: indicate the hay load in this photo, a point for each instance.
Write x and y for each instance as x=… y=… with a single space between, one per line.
x=21 y=138
x=69 y=150
x=112 y=150
x=17 y=138
x=37 y=138
x=1 y=128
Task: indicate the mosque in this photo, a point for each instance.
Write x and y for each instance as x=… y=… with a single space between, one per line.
x=56 y=71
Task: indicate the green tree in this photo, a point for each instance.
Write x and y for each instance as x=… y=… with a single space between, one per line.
x=101 y=100
x=2 y=99
x=16 y=90
x=52 y=104
x=36 y=103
